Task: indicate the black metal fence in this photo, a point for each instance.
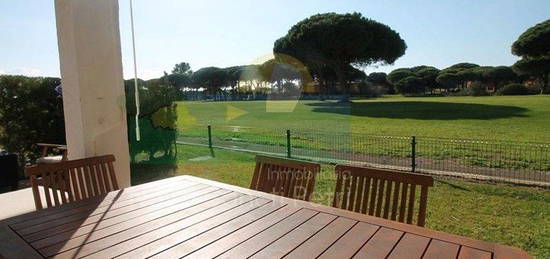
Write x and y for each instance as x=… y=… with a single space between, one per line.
x=513 y=162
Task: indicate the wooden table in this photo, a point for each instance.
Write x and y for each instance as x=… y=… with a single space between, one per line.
x=197 y=218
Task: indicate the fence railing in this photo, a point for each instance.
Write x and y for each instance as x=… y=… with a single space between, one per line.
x=514 y=162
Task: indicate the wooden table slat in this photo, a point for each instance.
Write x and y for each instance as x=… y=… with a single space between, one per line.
x=140 y=239
x=85 y=218
x=121 y=232
x=164 y=242
x=101 y=201
x=381 y=244
x=470 y=253
x=412 y=246
x=199 y=241
x=131 y=218
x=191 y=217
x=233 y=239
x=323 y=239
x=351 y=241
x=266 y=237
x=12 y=246
x=297 y=236
x=441 y=250
x=94 y=209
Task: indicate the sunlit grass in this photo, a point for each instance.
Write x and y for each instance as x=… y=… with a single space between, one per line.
x=360 y=127
x=508 y=118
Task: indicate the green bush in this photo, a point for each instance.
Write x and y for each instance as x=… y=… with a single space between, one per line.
x=513 y=89
x=30 y=111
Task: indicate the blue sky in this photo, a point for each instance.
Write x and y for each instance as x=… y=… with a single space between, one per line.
x=224 y=33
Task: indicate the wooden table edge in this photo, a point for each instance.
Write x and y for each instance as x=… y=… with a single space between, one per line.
x=500 y=251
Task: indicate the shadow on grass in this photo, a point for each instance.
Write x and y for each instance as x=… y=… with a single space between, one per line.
x=421 y=110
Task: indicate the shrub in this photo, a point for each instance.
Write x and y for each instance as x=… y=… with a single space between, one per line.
x=513 y=89
x=31 y=111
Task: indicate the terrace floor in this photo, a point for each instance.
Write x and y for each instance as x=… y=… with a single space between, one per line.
x=16 y=203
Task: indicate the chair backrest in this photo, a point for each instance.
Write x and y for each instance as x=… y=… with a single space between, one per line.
x=72 y=180
x=285 y=177
x=381 y=193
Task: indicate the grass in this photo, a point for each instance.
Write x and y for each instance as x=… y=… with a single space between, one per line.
x=515 y=216
x=518 y=118
x=332 y=126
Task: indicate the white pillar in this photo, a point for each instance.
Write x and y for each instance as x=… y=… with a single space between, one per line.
x=93 y=88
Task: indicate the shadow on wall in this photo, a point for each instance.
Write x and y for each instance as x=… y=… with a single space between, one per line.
x=154 y=157
x=422 y=110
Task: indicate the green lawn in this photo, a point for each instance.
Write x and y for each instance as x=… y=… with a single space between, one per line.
x=516 y=216
x=517 y=118
x=315 y=124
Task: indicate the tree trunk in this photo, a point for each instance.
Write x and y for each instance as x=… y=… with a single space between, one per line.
x=343 y=84
x=544 y=83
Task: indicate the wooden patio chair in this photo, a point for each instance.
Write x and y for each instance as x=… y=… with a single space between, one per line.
x=46 y=158
x=381 y=193
x=72 y=180
x=285 y=177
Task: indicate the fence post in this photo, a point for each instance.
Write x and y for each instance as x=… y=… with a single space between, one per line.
x=288 y=154
x=209 y=136
x=413 y=154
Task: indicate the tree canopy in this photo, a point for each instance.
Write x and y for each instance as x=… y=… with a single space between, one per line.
x=457 y=75
x=399 y=74
x=411 y=85
x=534 y=47
x=535 y=41
x=337 y=41
x=463 y=66
x=182 y=68
x=210 y=78
x=497 y=75
x=414 y=80
x=378 y=78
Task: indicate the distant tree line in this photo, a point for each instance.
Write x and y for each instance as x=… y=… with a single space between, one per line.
x=529 y=75
x=461 y=78
x=286 y=81
x=327 y=52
